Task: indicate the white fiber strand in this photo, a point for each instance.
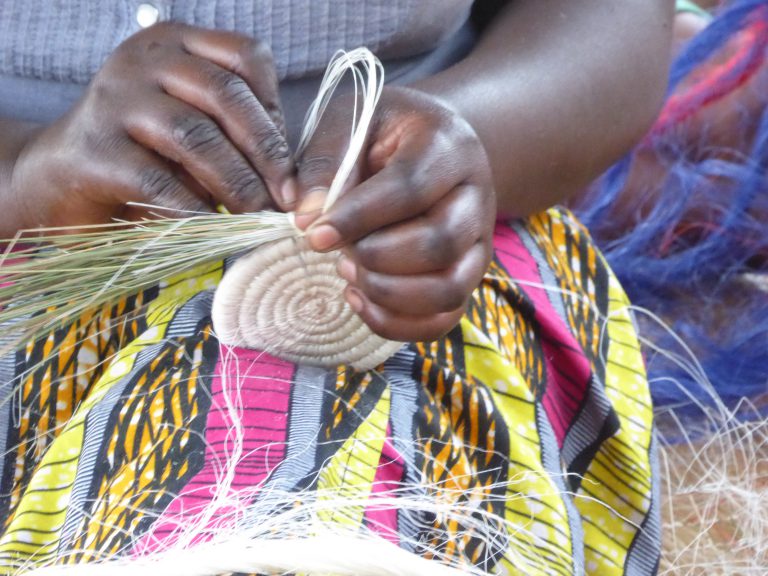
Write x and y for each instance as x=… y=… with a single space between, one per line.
x=370 y=81
x=715 y=509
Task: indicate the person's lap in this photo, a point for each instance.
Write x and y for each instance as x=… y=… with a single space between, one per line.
x=535 y=409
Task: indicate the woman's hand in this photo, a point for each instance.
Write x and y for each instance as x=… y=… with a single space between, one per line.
x=178 y=117
x=416 y=221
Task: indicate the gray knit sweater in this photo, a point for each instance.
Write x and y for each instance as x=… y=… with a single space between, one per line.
x=60 y=42
x=50 y=49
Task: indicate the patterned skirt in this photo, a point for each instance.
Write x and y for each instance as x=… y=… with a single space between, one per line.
x=534 y=412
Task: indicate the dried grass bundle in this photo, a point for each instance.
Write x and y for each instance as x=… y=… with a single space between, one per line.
x=48 y=278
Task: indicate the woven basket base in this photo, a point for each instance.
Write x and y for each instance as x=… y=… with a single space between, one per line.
x=288 y=300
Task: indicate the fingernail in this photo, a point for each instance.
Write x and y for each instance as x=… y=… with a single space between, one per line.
x=311 y=207
x=288 y=192
x=347 y=270
x=323 y=237
x=354 y=300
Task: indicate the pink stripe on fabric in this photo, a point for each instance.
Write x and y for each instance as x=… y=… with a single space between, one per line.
x=388 y=479
x=568 y=370
x=261 y=403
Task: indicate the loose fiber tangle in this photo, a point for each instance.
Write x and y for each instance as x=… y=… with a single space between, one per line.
x=286 y=288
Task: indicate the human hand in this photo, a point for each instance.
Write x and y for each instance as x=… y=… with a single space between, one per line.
x=178 y=117
x=415 y=223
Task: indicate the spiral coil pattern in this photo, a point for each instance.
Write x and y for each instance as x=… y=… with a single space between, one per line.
x=288 y=300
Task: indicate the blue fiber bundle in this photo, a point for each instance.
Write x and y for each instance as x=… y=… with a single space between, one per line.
x=705 y=280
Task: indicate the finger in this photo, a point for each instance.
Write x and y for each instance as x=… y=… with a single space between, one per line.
x=228 y=99
x=432 y=242
x=420 y=294
x=416 y=177
x=245 y=57
x=404 y=328
x=186 y=136
x=320 y=162
x=143 y=177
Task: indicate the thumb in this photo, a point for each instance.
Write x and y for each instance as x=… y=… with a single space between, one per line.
x=318 y=166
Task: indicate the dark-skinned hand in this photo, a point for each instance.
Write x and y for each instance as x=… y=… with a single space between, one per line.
x=416 y=221
x=178 y=117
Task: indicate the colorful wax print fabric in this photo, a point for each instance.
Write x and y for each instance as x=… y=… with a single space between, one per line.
x=533 y=413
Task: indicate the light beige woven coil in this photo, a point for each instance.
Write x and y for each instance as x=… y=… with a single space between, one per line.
x=288 y=300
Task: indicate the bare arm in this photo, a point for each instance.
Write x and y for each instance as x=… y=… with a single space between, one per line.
x=557 y=90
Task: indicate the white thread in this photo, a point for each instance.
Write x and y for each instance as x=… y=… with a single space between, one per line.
x=369 y=82
x=716 y=502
